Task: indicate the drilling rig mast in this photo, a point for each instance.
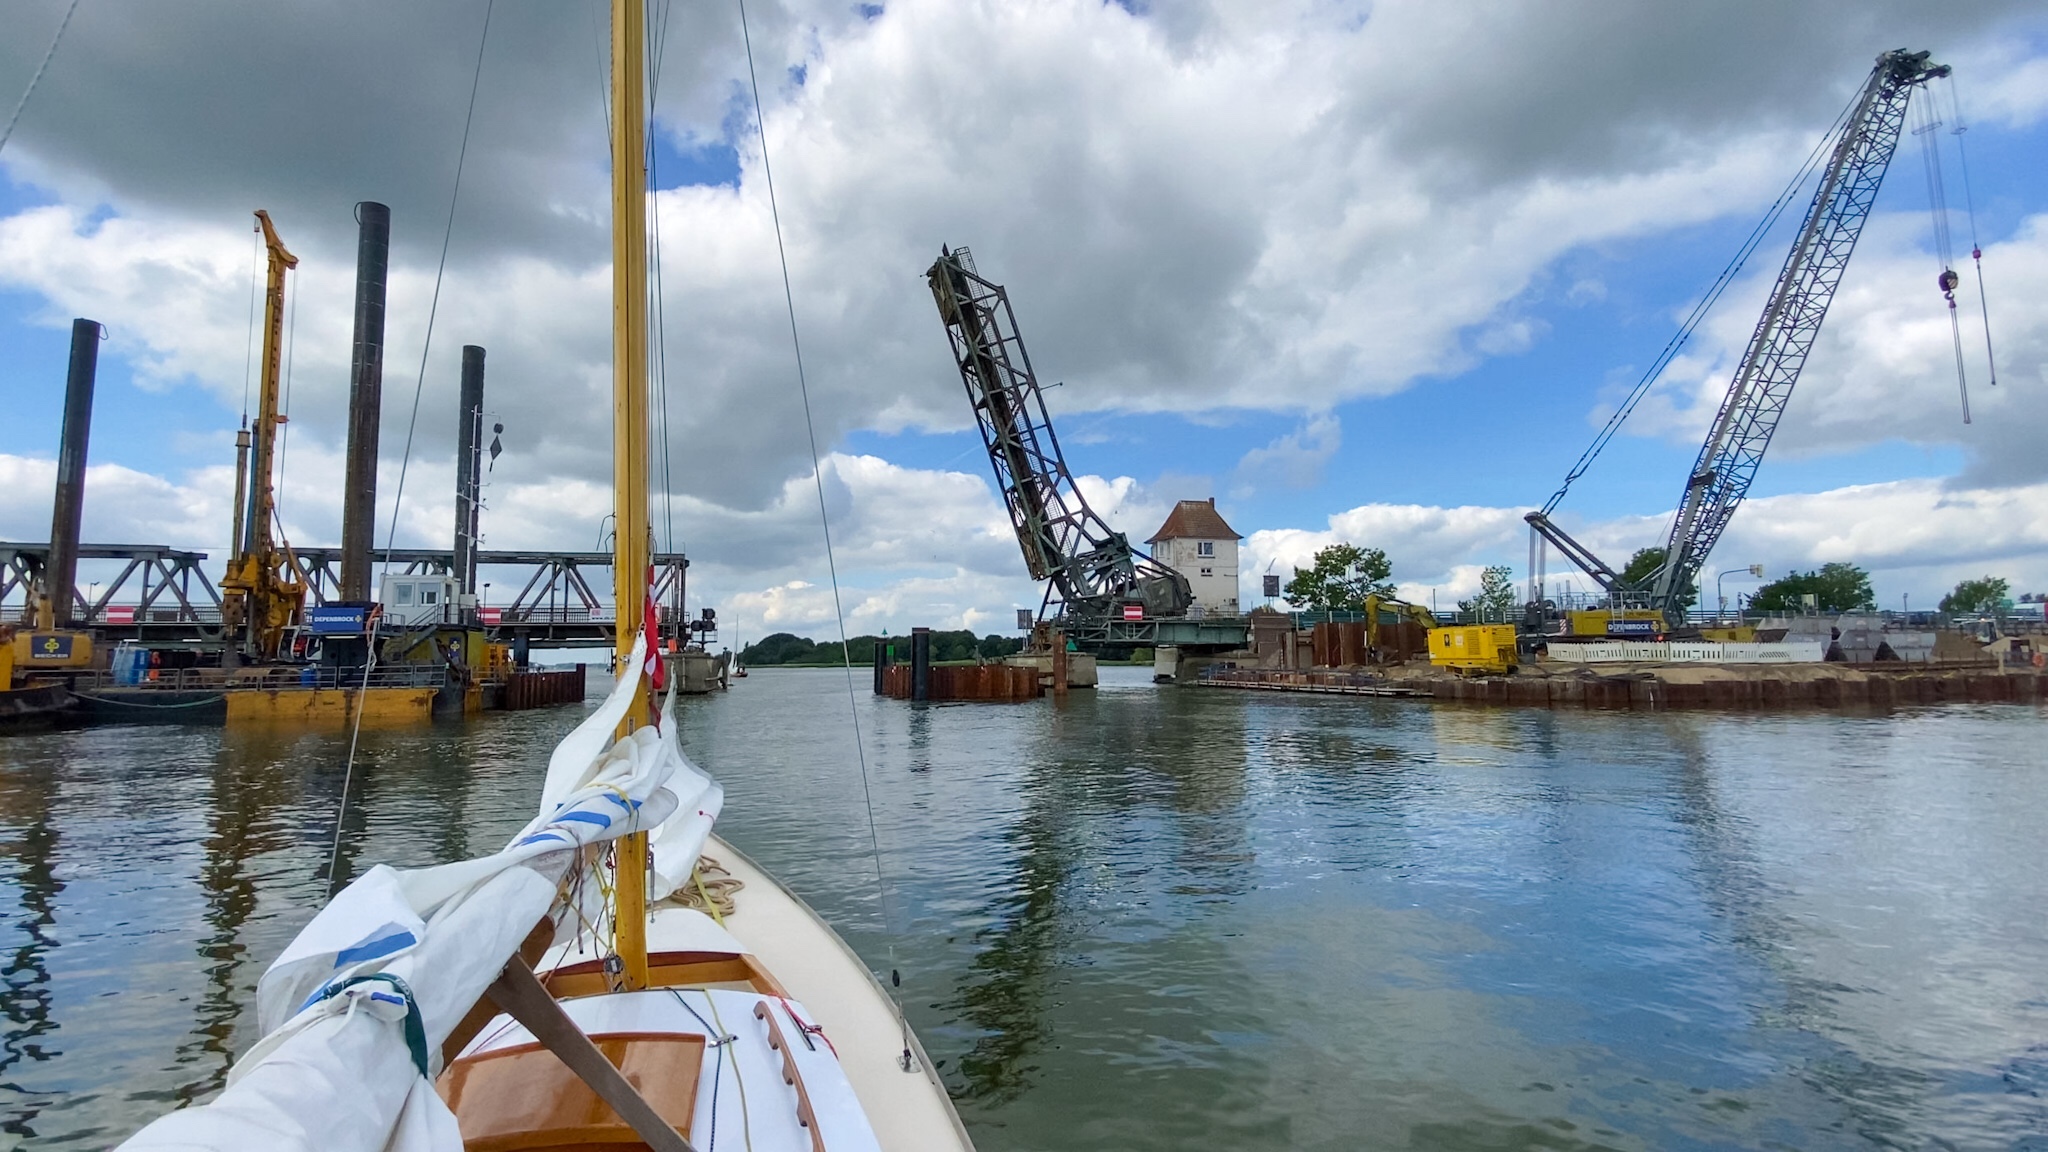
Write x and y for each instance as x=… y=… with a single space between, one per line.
x=263 y=591
x=1777 y=350
x=1092 y=570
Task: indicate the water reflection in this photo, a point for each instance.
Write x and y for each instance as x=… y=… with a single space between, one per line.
x=1170 y=918
x=29 y=849
x=1107 y=785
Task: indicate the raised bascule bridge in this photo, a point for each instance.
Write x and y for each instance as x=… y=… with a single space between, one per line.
x=1101 y=591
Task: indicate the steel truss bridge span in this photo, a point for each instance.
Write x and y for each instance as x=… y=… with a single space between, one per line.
x=163 y=594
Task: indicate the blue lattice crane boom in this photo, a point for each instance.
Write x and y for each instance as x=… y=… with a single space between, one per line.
x=1785 y=332
x=1763 y=380
x=1091 y=568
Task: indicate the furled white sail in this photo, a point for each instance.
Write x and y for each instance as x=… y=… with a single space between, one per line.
x=355 y=1011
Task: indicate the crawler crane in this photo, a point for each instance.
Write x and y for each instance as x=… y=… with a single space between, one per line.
x=1777 y=351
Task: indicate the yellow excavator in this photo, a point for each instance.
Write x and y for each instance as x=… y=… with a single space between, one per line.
x=264 y=591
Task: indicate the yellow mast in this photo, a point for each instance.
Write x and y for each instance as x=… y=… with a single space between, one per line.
x=629 y=430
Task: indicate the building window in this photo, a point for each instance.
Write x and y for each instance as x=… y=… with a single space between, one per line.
x=1205 y=548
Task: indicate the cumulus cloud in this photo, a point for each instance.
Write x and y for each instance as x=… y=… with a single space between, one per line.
x=1884 y=365
x=1296 y=459
x=1916 y=537
x=1212 y=204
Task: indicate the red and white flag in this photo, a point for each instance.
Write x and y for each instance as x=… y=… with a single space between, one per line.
x=650 y=628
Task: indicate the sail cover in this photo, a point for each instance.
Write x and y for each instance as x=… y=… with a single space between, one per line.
x=355 y=1010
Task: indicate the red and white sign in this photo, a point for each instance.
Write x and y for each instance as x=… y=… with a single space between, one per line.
x=1134 y=611
x=120 y=613
x=491 y=616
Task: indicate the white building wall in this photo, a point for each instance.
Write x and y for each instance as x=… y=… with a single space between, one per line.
x=1213 y=577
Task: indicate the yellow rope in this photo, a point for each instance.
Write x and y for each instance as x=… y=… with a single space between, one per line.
x=713 y=890
x=697 y=874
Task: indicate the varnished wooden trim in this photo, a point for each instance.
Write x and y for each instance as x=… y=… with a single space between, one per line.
x=668 y=970
x=526 y=1001
x=790 y=1076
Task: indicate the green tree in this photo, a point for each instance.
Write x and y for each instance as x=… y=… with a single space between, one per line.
x=1642 y=566
x=1496 y=597
x=777 y=648
x=1984 y=594
x=1836 y=587
x=995 y=647
x=1342 y=576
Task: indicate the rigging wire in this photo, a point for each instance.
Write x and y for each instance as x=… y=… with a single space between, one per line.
x=660 y=374
x=1944 y=249
x=7 y=133
x=1970 y=206
x=604 y=88
x=411 y=426
x=824 y=522
x=1700 y=309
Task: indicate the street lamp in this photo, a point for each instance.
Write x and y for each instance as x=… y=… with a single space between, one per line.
x=1721 y=607
x=92 y=595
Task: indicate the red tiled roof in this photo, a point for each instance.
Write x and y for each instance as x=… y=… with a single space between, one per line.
x=1194 y=520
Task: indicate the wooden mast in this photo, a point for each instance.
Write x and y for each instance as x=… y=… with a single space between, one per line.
x=629 y=432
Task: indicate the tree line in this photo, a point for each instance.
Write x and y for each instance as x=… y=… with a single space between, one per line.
x=1342 y=577
x=787 y=648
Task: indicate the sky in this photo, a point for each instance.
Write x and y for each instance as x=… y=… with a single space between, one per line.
x=1363 y=272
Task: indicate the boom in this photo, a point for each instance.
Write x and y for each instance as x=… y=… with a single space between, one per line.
x=1093 y=569
x=1763 y=382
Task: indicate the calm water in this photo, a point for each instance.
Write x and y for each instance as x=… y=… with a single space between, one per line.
x=1164 y=918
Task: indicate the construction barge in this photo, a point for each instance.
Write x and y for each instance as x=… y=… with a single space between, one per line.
x=1652 y=688
x=289 y=639
x=1849 y=661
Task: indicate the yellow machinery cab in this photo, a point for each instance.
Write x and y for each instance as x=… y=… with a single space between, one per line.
x=35 y=650
x=1473 y=647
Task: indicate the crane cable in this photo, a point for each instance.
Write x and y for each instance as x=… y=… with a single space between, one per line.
x=1970 y=206
x=1944 y=251
x=1705 y=304
x=7 y=133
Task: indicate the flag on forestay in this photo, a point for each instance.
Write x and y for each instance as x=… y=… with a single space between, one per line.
x=650 y=627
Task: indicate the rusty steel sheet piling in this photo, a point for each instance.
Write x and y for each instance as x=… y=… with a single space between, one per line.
x=982 y=683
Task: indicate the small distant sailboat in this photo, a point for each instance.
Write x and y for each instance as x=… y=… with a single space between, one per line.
x=616 y=976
